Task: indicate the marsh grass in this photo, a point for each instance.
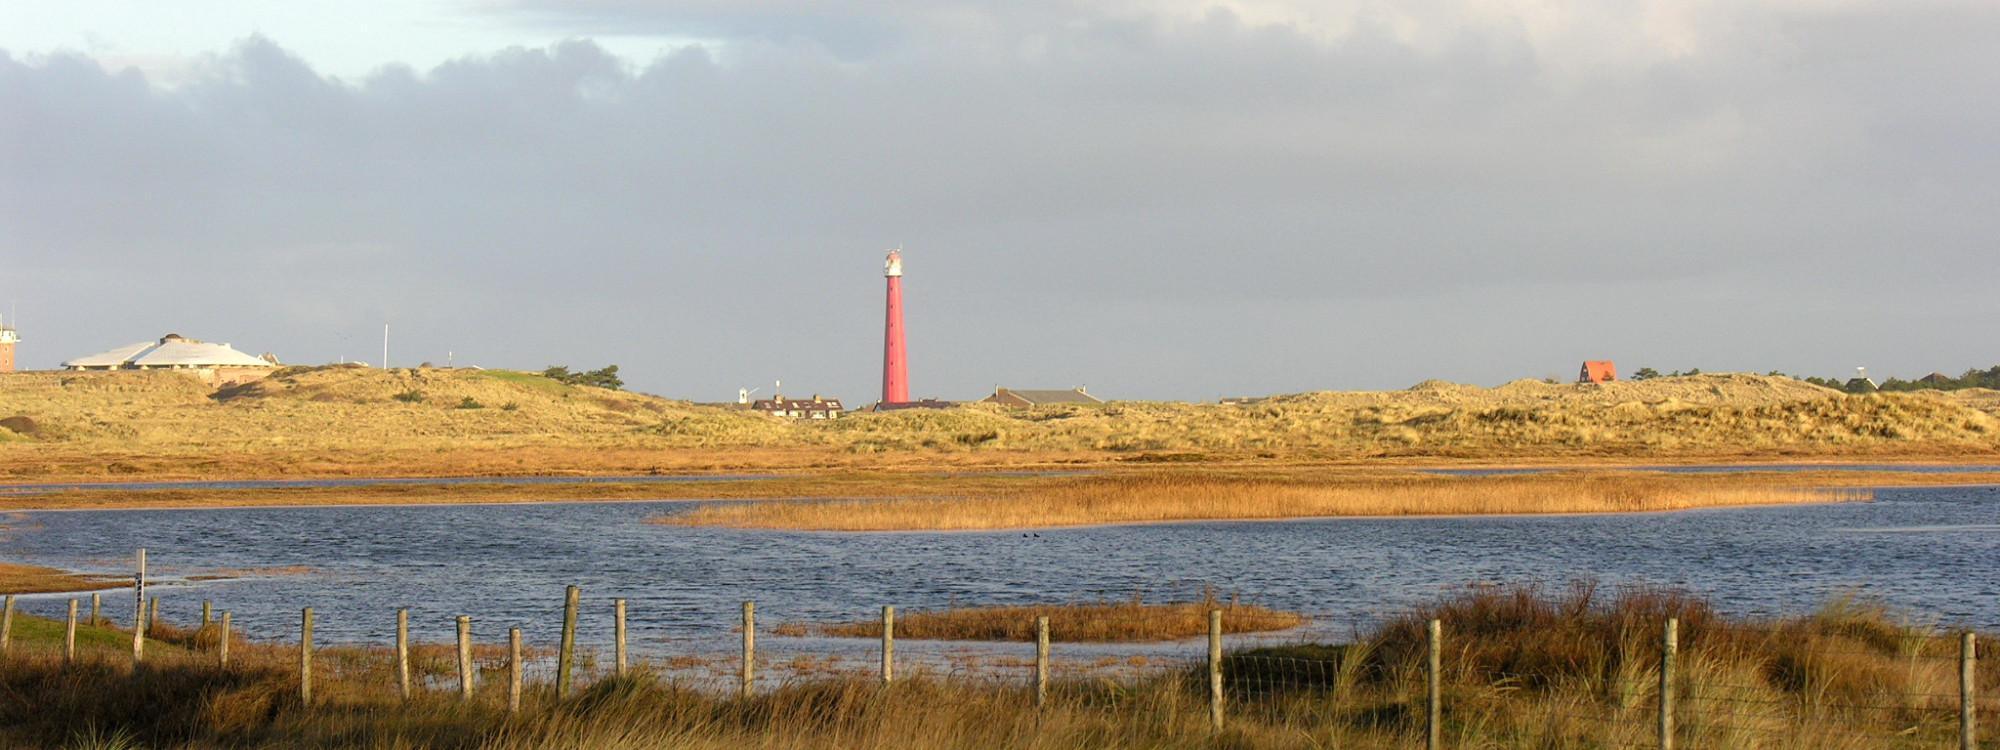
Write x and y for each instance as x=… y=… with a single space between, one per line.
x=34 y=579
x=1157 y=499
x=1524 y=668
x=1100 y=622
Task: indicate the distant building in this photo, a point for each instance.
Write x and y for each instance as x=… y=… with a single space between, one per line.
x=1027 y=398
x=219 y=364
x=1598 y=371
x=8 y=338
x=1861 y=383
x=1937 y=379
x=798 y=408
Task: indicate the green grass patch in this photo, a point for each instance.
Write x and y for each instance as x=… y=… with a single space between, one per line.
x=40 y=632
x=530 y=380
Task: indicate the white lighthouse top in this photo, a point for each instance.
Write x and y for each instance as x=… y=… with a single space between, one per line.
x=894 y=265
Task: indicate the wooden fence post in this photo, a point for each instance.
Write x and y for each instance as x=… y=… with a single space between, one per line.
x=1968 y=734
x=566 y=658
x=306 y=656
x=69 y=634
x=618 y=635
x=749 y=686
x=403 y=652
x=152 y=612
x=888 y=644
x=464 y=658
x=1434 y=687
x=1669 y=647
x=1041 y=662
x=207 y=613
x=222 y=644
x=96 y=607
x=7 y=625
x=513 y=670
x=1215 y=669
x=139 y=614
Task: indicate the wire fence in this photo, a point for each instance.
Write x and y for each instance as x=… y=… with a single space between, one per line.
x=1665 y=684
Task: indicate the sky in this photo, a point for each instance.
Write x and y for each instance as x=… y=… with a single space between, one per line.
x=1183 y=199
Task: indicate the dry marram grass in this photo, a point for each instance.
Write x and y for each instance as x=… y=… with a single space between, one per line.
x=341 y=421
x=1128 y=500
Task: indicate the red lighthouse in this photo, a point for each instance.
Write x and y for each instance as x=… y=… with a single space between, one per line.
x=895 y=361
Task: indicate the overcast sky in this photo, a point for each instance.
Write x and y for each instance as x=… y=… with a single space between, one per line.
x=1180 y=199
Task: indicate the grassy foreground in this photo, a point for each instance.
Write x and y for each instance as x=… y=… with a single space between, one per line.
x=1160 y=499
x=1522 y=669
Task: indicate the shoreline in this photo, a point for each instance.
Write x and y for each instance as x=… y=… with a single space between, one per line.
x=887 y=485
x=1023 y=463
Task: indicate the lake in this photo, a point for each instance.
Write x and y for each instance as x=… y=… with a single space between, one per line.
x=1927 y=551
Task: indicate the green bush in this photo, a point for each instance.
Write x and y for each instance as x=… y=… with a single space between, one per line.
x=606 y=378
x=470 y=403
x=412 y=396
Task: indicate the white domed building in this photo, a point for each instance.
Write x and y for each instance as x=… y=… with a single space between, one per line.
x=219 y=364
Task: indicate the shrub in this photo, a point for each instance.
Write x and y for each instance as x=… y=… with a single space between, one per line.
x=412 y=396
x=606 y=378
x=19 y=424
x=470 y=403
x=511 y=406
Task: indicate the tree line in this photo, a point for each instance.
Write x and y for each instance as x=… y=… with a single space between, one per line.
x=1972 y=378
x=606 y=377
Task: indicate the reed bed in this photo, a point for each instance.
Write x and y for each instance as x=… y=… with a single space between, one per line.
x=1164 y=499
x=35 y=579
x=1523 y=668
x=1097 y=622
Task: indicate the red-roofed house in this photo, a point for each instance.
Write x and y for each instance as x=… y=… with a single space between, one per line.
x=1598 y=372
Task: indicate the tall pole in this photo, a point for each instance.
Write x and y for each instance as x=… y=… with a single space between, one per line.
x=1434 y=686
x=895 y=360
x=1670 y=646
x=139 y=606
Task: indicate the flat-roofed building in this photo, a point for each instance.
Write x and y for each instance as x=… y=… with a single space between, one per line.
x=1026 y=397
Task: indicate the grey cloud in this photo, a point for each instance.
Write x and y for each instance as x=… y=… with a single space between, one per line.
x=1157 y=210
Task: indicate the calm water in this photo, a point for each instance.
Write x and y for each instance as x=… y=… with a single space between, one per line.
x=1930 y=551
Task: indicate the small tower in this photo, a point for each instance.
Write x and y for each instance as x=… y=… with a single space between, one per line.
x=8 y=338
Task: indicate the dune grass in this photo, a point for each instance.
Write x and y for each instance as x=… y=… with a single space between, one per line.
x=1523 y=668
x=1159 y=499
x=349 y=421
x=1098 y=622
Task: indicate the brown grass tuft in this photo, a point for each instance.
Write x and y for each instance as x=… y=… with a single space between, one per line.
x=1091 y=622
